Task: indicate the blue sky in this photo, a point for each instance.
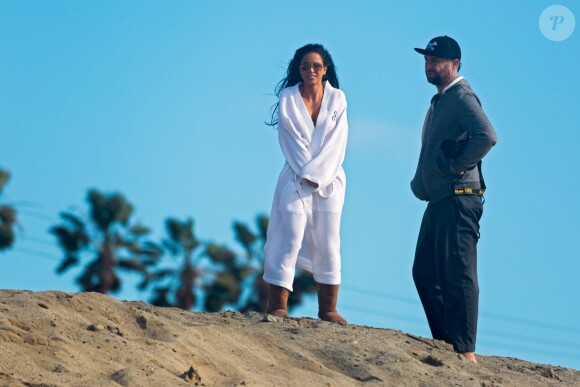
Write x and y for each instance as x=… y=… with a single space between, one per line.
x=165 y=103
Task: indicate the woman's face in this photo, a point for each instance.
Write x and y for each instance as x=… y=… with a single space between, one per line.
x=312 y=68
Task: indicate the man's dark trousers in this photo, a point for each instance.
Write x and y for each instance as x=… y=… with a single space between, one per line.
x=445 y=269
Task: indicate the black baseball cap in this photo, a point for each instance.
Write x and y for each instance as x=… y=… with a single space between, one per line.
x=442 y=47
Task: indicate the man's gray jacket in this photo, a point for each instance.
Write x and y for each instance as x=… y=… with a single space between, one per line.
x=454 y=115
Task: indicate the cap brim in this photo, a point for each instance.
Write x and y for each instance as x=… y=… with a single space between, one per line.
x=431 y=53
x=421 y=51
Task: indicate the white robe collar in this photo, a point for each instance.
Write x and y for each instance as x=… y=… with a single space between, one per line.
x=316 y=136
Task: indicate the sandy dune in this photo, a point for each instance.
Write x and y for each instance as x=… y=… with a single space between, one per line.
x=88 y=339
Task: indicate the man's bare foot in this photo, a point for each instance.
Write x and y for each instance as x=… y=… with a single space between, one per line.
x=469 y=356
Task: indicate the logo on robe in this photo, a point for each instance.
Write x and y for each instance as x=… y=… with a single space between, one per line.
x=334 y=115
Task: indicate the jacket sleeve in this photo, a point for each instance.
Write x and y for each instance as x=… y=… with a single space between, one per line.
x=483 y=137
x=323 y=168
x=417 y=186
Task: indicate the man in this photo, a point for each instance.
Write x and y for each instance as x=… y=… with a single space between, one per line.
x=456 y=136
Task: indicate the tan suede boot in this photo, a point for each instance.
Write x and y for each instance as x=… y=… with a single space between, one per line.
x=327 y=297
x=277 y=301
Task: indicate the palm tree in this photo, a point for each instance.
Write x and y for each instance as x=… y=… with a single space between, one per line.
x=110 y=238
x=7 y=217
x=177 y=286
x=228 y=277
x=212 y=276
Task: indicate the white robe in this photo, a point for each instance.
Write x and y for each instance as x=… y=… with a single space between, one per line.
x=305 y=222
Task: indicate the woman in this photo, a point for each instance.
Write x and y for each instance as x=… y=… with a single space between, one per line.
x=305 y=217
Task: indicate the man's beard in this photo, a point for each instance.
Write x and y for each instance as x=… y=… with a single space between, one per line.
x=435 y=80
x=439 y=79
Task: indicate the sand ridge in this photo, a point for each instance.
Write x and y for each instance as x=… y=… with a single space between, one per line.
x=80 y=339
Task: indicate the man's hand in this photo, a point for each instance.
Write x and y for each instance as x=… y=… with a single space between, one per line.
x=446 y=166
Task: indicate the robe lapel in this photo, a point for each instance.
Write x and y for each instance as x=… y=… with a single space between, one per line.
x=309 y=125
x=315 y=134
x=321 y=124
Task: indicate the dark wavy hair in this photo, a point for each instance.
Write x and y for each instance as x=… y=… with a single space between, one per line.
x=293 y=77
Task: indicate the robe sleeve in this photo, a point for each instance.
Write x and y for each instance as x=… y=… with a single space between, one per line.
x=323 y=168
x=294 y=146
